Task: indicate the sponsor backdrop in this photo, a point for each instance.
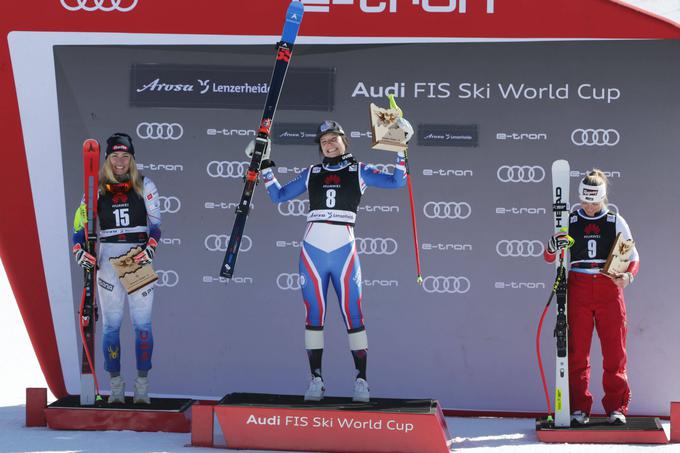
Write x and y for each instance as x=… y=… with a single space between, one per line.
x=490 y=118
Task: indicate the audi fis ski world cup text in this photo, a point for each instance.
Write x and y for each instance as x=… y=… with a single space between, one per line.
x=304 y=421
x=511 y=91
x=461 y=7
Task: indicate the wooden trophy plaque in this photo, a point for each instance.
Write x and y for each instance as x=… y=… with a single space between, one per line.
x=619 y=256
x=386 y=133
x=132 y=275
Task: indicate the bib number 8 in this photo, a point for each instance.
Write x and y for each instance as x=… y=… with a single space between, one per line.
x=330 y=198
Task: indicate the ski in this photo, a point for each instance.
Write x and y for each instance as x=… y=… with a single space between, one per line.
x=89 y=390
x=560 y=183
x=284 y=50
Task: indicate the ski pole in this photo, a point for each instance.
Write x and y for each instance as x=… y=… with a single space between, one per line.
x=419 y=277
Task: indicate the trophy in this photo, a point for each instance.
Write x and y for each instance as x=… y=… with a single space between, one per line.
x=133 y=275
x=387 y=134
x=619 y=256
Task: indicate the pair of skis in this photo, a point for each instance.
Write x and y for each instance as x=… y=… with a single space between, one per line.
x=284 y=51
x=560 y=195
x=89 y=387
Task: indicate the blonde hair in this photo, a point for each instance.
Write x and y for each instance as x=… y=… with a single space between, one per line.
x=106 y=176
x=596 y=177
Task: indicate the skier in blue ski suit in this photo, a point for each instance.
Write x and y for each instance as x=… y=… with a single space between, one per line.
x=328 y=251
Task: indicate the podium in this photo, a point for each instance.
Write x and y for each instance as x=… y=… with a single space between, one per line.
x=257 y=421
x=163 y=414
x=637 y=430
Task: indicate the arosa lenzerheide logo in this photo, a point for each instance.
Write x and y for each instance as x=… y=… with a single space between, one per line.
x=519 y=248
x=290 y=281
x=226 y=169
x=168 y=279
x=169 y=205
x=160 y=131
x=447 y=210
x=446 y=284
x=122 y=6
x=376 y=246
x=595 y=137
x=520 y=173
x=219 y=243
x=293 y=208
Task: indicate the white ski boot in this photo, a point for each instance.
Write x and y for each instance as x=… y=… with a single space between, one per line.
x=361 y=391
x=141 y=391
x=316 y=390
x=117 y=391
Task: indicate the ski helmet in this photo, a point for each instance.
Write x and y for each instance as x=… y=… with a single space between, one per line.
x=327 y=127
x=119 y=142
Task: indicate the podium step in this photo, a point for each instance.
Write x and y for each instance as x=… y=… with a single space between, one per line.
x=637 y=430
x=256 y=421
x=163 y=414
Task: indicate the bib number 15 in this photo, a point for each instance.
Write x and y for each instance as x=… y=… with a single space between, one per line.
x=122 y=217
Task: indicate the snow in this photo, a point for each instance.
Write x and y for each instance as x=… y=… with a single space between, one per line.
x=20 y=370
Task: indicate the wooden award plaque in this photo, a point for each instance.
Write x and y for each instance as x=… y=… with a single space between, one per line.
x=132 y=275
x=619 y=256
x=386 y=133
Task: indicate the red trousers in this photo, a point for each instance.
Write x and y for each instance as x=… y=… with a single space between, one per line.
x=595 y=301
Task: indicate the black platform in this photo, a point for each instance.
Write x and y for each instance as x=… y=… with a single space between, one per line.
x=637 y=430
x=425 y=406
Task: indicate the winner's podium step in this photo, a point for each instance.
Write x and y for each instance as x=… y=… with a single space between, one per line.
x=637 y=430
x=163 y=414
x=257 y=421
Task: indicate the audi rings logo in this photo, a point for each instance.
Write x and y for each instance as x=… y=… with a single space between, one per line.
x=160 y=131
x=595 y=137
x=520 y=173
x=376 y=246
x=446 y=284
x=167 y=279
x=290 y=281
x=170 y=205
x=226 y=169
x=515 y=248
x=219 y=243
x=447 y=210
x=294 y=208
x=103 y=5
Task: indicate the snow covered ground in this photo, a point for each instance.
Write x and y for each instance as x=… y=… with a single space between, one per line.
x=20 y=370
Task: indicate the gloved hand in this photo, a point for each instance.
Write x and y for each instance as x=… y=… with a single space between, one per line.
x=404 y=125
x=84 y=259
x=250 y=149
x=267 y=163
x=146 y=256
x=558 y=241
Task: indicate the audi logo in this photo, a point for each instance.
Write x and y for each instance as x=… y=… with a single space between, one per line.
x=376 y=246
x=219 y=243
x=595 y=137
x=446 y=284
x=294 y=208
x=520 y=173
x=103 y=5
x=168 y=279
x=160 y=131
x=226 y=169
x=516 y=248
x=170 y=205
x=447 y=210
x=290 y=281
